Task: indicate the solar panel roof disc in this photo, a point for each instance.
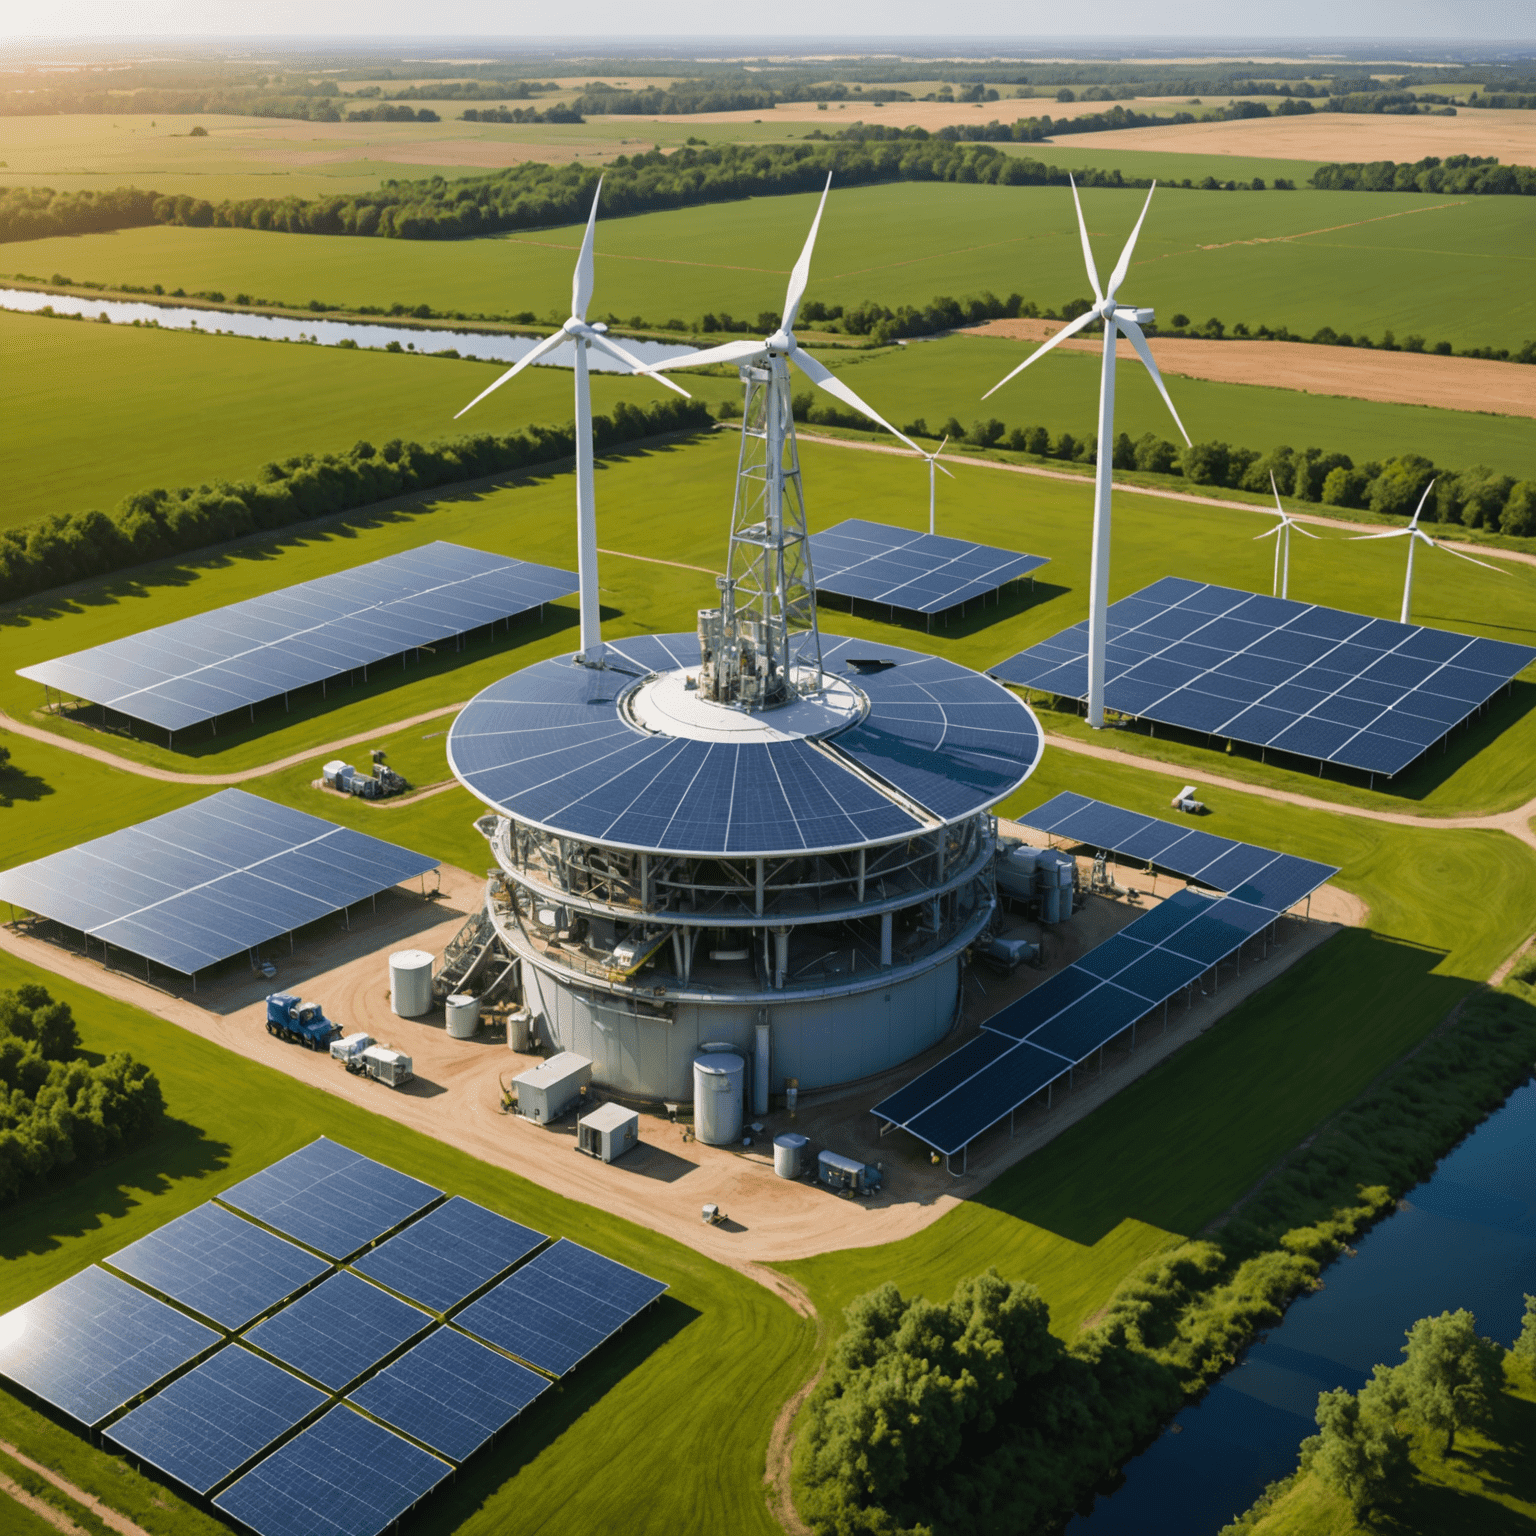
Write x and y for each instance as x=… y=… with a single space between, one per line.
x=214 y=1419
x=343 y=1476
x=219 y=1266
x=93 y=1342
x=449 y=1254
x=339 y=1330
x=450 y=1392
x=1095 y=1020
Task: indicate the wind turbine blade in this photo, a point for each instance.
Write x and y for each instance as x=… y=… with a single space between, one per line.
x=1413 y=522
x=1082 y=230
x=1124 y=264
x=825 y=379
x=1391 y=533
x=801 y=275
x=613 y=349
x=944 y=471
x=1269 y=533
x=582 y=281
x=547 y=345
x=940 y=449
x=727 y=352
x=1276 y=489
x=1302 y=531
x=1144 y=352
x=1040 y=351
x=1446 y=549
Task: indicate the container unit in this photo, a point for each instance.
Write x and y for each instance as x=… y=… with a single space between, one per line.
x=350 y=1047
x=410 y=982
x=383 y=1065
x=462 y=1013
x=839 y=1172
x=1016 y=872
x=719 y=1080
x=547 y=1091
x=608 y=1132
x=789 y=1155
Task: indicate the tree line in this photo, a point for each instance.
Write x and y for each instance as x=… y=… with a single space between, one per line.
x=153 y=524
x=1477 y=175
x=56 y=1109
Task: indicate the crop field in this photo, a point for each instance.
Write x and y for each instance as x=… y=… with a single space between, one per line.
x=1352 y=260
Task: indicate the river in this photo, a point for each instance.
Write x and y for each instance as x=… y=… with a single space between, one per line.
x=1466 y=1237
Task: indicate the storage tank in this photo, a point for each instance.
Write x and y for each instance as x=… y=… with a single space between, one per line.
x=719 y=1080
x=520 y=1029
x=463 y=1015
x=1016 y=871
x=789 y=1155
x=410 y=982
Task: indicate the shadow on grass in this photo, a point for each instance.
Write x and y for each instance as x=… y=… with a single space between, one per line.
x=17 y=784
x=1509 y=1467
x=72 y=1204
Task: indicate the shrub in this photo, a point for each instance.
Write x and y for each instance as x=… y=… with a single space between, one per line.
x=1519 y=517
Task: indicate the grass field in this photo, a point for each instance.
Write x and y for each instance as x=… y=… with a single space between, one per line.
x=1306 y=259
x=716 y=1339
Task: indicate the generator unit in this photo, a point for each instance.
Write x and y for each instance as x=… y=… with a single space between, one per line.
x=290 y=1018
x=378 y=785
x=546 y=1091
x=383 y=1065
x=848 y=1173
x=608 y=1132
x=349 y=1046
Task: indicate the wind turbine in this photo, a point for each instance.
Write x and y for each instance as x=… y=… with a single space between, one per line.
x=583 y=335
x=1415 y=535
x=1116 y=317
x=1281 y=534
x=933 y=464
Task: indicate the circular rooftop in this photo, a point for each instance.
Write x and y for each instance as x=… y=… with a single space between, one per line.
x=896 y=743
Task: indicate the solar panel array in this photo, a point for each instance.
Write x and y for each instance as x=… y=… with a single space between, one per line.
x=922 y=572
x=559 y=1307
x=1319 y=682
x=205 y=882
x=195 y=669
x=551 y=745
x=1258 y=875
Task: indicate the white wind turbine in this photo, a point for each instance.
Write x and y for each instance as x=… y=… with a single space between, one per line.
x=933 y=464
x=1281 y=534
x=582 y=334
x=1117 y=318
x=1415 y=535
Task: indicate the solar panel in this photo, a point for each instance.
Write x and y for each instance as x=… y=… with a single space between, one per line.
x=207 y=1424
x=552 y=746
x=1318 y=682
x=94 y=1342
x=198 y=668
x=205 y=882
x=1259 y=876
x=343 y=1476
x=450 y=1393
x=215 y=1264
x=560 y=1306
x=921 y=572
x=449 y=1254
x=338 y=1330
x=331 y=1198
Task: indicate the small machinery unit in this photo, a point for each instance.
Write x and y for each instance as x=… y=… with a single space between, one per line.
x=378 y=785
x=847 y=1173
x=290 y=1018
x=1185 y=801
x=1043 y=879
x=1005 y=956
x=349 y=1046
x=608 y=1132
x=383 y=1065
x=546 y=1091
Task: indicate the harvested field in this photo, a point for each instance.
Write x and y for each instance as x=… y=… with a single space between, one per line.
x=1405 y=378
x=1338 y=136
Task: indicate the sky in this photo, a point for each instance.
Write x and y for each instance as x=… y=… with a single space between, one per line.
x=606 y=21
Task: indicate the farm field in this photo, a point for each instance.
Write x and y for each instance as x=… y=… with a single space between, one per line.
x=1352 y=260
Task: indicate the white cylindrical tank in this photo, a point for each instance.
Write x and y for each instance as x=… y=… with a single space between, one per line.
x=463 y=1015
x=719 y=1080
x=520 y=1029
x=789 y=1155
x=410 y=982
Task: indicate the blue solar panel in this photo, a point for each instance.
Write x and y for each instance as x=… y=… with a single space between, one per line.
x=204 y=882
x=338 y=1330
x=551 y=745
x=450 y=1393
x=556 y=1309
x=1259 y=876
x=1318 y=682
x=194 y=669
x=449 y=1254
x=331 y=1198
x=343 y=1476
x=207 y=1424
x=94 y=1342
x=921 y=572
x=218 y=1265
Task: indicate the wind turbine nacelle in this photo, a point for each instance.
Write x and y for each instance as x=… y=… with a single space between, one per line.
x=1140 y=316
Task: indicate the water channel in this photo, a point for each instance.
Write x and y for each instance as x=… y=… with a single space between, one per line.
x=1466 y=1237
x=493 y=348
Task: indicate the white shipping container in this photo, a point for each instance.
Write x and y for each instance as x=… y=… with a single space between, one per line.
x=546 y=1091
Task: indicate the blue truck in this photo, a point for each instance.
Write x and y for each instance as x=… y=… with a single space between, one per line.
x=303 y=1023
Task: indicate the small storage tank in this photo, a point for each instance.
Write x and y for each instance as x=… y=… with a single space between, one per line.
x=410 y=982
x=608 y=1132
x=520 y=1029
x=789 y=1155
x=463 y=1014
x=719 y=1080
x=1016 y=871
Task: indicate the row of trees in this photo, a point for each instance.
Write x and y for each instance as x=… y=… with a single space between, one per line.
x=56 y=1109
x=153 y=524
x=389 y=112
x=1476 y=175
x=557 y=113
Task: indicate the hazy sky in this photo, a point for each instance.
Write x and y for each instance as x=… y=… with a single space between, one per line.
x=872 y=20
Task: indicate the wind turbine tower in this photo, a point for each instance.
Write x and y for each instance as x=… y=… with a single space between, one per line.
x=933 y=464
x=1281 y=534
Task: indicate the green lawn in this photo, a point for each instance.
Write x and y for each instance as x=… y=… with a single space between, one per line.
x=1457 y=269
x=709 y=1367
